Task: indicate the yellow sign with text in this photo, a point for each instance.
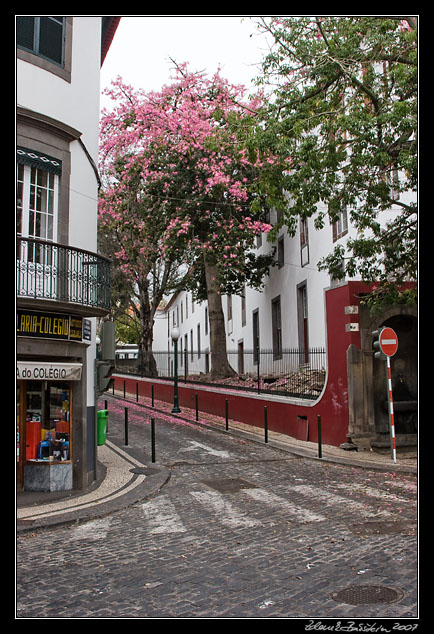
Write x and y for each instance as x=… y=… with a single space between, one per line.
x=49 y=325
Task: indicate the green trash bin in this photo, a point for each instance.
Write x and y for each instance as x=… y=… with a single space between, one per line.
x=101 y=431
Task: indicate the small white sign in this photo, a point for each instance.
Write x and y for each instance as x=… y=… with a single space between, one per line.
x=40 y=371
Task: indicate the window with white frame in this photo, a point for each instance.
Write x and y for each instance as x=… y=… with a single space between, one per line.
x=340 y=227
x=36 y=217
x=304 y=242
x=37 y=201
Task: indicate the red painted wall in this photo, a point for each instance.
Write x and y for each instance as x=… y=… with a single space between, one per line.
x=283 y=417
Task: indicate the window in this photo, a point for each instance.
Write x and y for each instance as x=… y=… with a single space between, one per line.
x=304 y=242
x=37 y=194
x=303 y=327
x=47 y=421
x=229 y=307
x=256 y=336
x=280 y=252
x=243 y=307
x=43 y=35
x=277 y=328
x=340 y=227
x=241 y=357
x=198 y=341
x=206 y=320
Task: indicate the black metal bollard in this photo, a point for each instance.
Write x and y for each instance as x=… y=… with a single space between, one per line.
x=227 y=414
x=197 y=407
x=153 y=439
x=137 y=392
x=126 y=426
x=319 y=438
x=124 y=389
x=266 y=424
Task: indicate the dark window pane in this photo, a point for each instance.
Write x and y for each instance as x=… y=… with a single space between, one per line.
x=25 y=32
x=51 y=39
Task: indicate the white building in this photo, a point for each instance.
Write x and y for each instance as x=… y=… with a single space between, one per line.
x=62 y=283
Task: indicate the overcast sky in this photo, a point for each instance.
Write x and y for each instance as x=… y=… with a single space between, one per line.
x=143 y=45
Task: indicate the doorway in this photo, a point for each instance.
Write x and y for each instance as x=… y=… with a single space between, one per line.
x=404 y=368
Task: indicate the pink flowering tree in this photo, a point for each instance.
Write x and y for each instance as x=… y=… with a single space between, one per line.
x=205 y=182
x=131 y=229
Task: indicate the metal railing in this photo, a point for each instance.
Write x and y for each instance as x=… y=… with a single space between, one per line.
x=48 y=270
x=296 y=372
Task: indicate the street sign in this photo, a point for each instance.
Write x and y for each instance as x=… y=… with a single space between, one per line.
x=388 y=342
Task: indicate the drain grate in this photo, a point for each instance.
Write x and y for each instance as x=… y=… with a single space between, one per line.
x=229 y=485
x=363 y=595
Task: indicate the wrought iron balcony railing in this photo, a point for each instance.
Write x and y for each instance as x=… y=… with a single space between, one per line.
x=51 y=271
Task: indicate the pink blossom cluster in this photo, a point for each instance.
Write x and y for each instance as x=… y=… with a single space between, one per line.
x=177 y=178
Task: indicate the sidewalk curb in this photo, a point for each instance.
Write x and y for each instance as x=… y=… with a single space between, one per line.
x=141 y=487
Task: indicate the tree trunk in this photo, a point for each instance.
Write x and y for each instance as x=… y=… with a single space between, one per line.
x=147 y=365
x=220 y=367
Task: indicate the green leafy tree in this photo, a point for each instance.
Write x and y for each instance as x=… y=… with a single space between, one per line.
x=344 y=108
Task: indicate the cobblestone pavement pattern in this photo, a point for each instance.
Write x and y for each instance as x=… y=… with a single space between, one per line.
x=241 y=530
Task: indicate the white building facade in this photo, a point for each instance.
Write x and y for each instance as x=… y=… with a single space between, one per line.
x=62 y=283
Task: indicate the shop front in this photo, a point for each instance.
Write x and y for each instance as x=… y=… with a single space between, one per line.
x=53 y=430
x=44 y=431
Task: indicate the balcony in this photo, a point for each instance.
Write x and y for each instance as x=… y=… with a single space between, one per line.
x=76 y=280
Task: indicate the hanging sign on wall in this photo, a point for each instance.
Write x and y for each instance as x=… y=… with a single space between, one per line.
x=49 y=325
x=43 y=371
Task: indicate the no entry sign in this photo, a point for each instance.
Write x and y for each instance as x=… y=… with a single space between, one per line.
x=388 y=342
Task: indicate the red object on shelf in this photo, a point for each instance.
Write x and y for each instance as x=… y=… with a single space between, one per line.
x=62 y=426
x=33 y=438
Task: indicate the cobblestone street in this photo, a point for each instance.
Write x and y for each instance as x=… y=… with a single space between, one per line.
x=241 y=530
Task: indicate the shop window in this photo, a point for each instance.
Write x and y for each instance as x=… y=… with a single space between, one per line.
x=48 y=421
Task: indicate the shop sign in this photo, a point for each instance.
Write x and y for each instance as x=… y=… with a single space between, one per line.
x=49 y=325
x=43 y=371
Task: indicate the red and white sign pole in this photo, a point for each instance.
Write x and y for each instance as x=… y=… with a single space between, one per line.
x=389 y=345
x=391 y=414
